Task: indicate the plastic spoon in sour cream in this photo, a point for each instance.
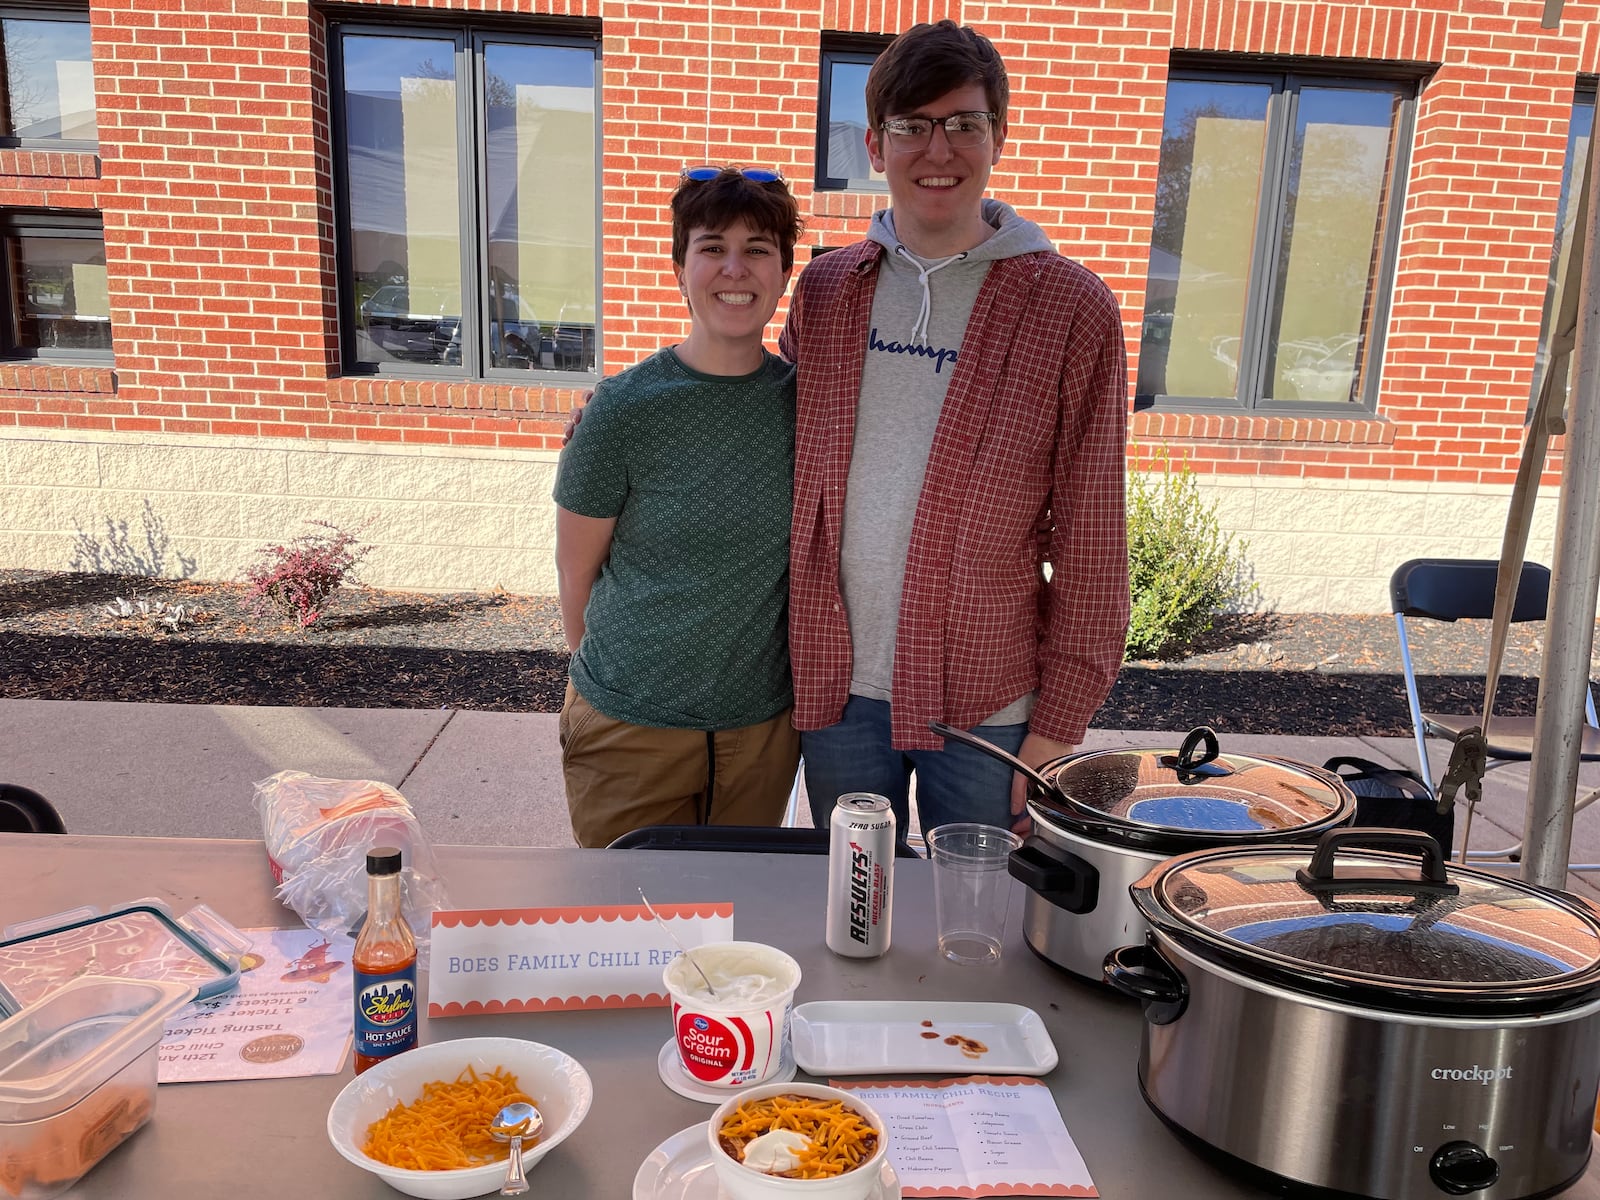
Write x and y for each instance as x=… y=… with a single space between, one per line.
x=776 y=1151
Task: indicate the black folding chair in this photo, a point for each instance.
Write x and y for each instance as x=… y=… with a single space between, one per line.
x=1462 y=589
x=760 y=839
x=23 y=810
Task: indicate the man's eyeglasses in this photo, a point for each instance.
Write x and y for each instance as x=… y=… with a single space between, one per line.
x=960 y=130
x=707 y=173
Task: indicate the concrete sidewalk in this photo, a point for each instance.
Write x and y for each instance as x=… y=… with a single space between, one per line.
x=474 y=778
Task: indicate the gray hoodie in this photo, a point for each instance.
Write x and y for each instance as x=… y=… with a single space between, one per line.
x=919 y=316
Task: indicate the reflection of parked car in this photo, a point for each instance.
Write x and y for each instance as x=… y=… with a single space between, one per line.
x=1225 y=349
x=574 y=338
x=65 y=331
x=1321 y=369
x=514 y=340
x=1156 y=329
x=406 y=324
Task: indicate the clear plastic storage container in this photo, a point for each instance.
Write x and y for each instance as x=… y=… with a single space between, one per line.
x=77 y=1076
x=141 y=940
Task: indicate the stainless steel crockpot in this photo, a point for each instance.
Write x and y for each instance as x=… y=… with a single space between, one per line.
x=1362 y=1019
x=1102 y=818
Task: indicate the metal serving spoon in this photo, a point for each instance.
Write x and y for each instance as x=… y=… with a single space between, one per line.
x=511 y=1124
x=667 y=929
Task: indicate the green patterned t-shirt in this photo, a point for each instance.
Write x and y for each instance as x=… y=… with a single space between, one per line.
x=686 y=626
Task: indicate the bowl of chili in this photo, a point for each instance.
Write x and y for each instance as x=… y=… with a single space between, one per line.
x=840 y=1143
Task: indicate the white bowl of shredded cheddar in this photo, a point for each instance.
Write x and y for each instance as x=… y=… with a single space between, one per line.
x=419 y=1121
x=805 y=1139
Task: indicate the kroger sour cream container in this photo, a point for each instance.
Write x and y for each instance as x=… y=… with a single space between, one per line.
x=740 y=1036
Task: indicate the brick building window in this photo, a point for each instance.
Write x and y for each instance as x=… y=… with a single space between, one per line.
x=467 y=191
x=57 y=306
x=49 y=78
x=1272 y=254
x=842 y=118
x=1564 y=272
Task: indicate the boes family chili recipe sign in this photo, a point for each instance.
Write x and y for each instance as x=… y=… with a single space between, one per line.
x=554 y=959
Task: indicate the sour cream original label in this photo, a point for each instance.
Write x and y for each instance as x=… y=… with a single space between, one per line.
x=386 y=1013
x=735 y=1031
x=722 y=1049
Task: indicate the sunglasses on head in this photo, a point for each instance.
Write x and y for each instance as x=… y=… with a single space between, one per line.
x=706 y=174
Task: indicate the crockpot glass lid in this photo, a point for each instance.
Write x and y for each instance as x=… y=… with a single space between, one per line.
x=1374 y=918
x=1229 y=795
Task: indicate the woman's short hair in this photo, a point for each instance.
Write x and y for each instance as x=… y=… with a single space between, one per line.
x=717 y=203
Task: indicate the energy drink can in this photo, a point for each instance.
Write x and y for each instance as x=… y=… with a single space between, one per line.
x=860 y=875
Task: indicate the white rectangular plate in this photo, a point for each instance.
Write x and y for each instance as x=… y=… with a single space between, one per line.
x=867 y=1037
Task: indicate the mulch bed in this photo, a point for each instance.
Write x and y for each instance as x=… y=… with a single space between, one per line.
x=1287 y=674
x=371 y=649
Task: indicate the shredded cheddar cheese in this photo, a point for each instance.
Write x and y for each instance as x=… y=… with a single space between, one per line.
x=840 y=1139
x=448 y=1127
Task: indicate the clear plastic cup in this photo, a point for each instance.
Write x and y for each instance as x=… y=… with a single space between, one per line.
x=741 y=1036
x=971 y=888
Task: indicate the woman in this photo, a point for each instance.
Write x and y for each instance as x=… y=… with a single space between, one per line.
x=672 y=533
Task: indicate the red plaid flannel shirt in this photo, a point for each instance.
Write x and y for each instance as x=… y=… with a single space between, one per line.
x=1027 y=466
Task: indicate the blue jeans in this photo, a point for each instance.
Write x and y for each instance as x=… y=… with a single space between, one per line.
x=957 y=783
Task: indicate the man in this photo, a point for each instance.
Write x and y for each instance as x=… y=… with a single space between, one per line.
x=672 y=526
x=962 y=416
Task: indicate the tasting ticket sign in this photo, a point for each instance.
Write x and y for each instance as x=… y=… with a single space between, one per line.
x=289 y=1016
x=556 y=959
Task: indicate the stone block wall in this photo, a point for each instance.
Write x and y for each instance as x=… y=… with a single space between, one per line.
x=441 y=520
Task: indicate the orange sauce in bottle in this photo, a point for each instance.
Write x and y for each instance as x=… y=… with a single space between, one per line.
x=385 y=963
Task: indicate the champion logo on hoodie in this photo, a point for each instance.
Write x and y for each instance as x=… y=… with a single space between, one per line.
x=939 y=354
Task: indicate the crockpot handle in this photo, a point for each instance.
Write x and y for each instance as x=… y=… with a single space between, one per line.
x=1059 y=876
x=1202 y=738
x=1199 y=747
x=1319 y=875
x=1144 y=974
x=993 y=751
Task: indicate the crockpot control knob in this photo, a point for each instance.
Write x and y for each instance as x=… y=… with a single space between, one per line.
x=1461 y=1168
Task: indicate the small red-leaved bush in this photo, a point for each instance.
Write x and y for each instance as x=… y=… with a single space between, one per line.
x=297 y=578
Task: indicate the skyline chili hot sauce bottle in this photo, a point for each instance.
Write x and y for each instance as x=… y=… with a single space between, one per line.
x=385 y=964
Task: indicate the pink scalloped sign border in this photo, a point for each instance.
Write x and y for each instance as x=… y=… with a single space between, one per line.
x=577 y=914
x=513 y=960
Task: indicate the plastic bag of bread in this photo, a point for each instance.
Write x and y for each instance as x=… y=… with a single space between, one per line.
x=318 y=832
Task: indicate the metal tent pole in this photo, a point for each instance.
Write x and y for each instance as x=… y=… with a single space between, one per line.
x=1575 y=576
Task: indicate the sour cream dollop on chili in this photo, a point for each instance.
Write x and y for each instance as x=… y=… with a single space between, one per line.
x=776 y=1151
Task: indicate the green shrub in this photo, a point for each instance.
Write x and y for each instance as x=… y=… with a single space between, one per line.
x=1182 y=569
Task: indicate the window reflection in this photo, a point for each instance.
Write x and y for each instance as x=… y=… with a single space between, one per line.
x=846 y=162
x=1267 y=269
x=541 y=192
x=405 y=222
x=49 y=79
x=1340 y=167
x=59 y=293
x=1212 y=142
x=529 y=301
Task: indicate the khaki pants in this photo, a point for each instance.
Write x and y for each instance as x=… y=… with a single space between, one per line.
x=621 y=777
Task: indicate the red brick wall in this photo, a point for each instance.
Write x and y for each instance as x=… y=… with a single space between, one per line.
x=214 y=178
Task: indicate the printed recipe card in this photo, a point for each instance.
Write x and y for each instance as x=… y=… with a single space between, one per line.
x=984 y=1135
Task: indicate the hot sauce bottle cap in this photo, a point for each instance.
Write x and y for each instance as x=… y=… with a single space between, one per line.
x=383 y=860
